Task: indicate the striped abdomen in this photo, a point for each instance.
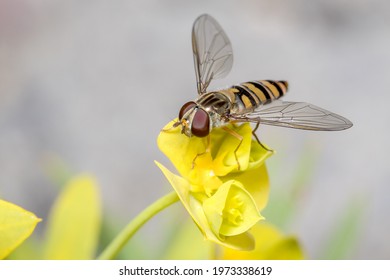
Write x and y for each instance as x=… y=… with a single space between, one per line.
x=250 y=95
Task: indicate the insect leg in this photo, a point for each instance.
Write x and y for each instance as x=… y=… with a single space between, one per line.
x=240 y=138
x=205 y=152
x=257 y=121
x=257 y=139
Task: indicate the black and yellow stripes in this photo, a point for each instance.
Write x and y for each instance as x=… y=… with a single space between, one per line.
x=243 y=94
x=242 y=98
x=277 y=88
x=255 y=93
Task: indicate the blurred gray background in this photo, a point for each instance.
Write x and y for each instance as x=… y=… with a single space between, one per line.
x=89 y=84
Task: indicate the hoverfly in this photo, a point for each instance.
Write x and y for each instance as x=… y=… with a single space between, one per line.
x=254 y=101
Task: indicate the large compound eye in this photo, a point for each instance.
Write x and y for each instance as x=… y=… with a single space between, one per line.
x=184 y=109
x=200 y=123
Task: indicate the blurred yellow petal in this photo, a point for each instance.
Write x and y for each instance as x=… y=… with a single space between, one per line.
x=74 y=223
x=271 y=244
x=194 y=206
x=16 y=224
x=231 y=210
x=286 y=249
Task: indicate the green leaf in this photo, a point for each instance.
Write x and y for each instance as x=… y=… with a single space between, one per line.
x=16 y=224
x=74 y=222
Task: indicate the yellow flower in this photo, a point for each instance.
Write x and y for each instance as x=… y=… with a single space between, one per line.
x=223 y=183
x=271 y=244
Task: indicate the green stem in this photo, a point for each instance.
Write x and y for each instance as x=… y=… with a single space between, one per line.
x=121 y=239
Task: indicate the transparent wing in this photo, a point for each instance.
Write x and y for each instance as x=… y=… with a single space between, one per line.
x=296 y=115
x=213 y=55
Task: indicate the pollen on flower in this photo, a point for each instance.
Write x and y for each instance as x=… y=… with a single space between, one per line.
x=237 y=201
x=234 y=216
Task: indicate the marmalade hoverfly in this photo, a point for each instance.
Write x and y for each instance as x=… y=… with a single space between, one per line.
x=254 y=101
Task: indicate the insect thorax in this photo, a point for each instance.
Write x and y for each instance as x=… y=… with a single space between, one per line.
x=217 y=105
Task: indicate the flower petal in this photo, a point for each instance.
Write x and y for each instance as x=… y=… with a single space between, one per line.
x=255 y=181
x=258 y=154
x=231 y=210
x=184 y=152
x=229 y=145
